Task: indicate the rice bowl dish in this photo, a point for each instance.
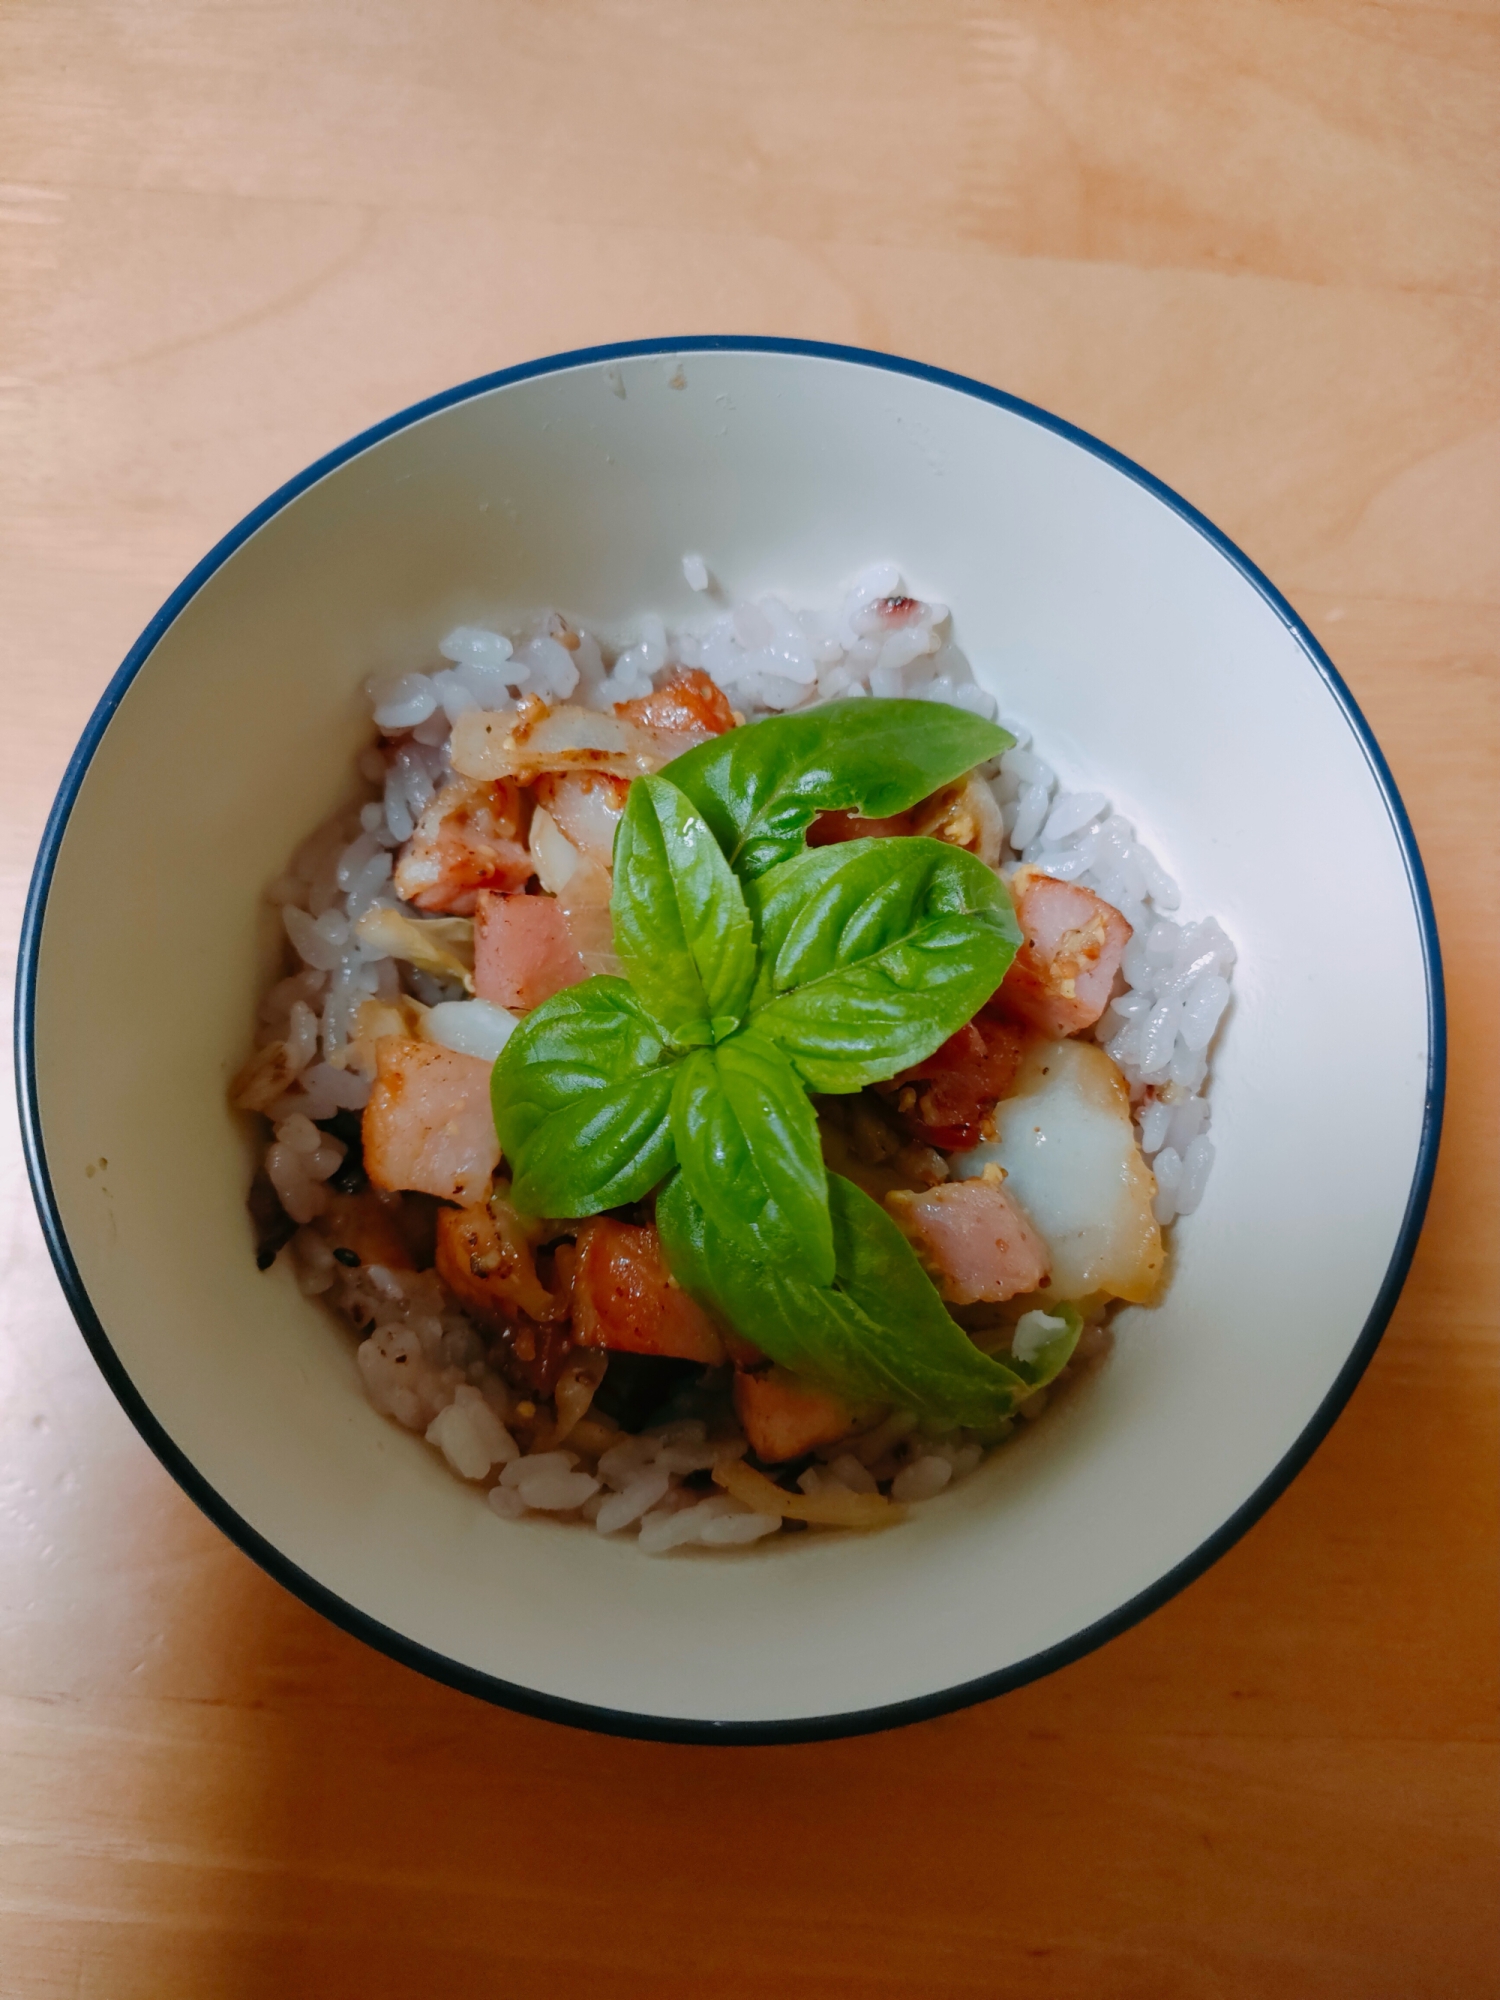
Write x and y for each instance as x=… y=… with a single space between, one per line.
x=1031 y=1156
x=1153 y=666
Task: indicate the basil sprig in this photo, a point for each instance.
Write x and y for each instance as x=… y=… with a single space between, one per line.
x=758 y=971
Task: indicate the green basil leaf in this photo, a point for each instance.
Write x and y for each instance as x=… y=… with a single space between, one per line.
x=880 y=1333
x=874 y=952
x=581 y=1095
x=1053 y=1354
x=760 y=788
x=680 y=920
x=747 y=1141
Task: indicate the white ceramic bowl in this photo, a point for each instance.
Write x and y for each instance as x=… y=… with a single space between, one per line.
x=1153 y=662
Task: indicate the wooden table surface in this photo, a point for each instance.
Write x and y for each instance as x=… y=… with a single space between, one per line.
x=1252 y=243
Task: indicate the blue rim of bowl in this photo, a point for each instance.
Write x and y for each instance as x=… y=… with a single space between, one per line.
x=553 y=1708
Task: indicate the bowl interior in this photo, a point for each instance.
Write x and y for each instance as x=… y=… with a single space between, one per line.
x=1148 y=666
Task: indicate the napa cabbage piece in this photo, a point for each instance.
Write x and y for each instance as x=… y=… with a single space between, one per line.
x=525 y=744
x=825 y=1510
x=1067 y=1144
x=443 y=946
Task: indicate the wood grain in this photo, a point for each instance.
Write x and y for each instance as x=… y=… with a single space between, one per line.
x=1252 y=243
